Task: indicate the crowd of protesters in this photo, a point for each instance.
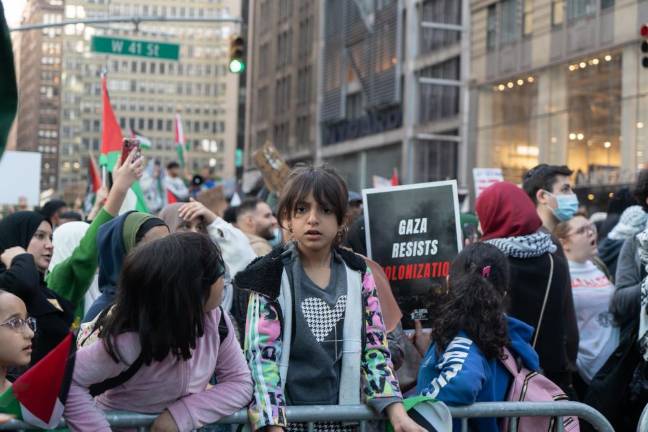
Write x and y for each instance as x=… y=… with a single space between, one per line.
x=194 y=311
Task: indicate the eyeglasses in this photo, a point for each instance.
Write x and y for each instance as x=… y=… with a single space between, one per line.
x=589 y=229
x=17 y=324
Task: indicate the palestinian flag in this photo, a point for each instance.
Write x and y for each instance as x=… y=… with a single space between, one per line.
x=145 y=143
x=94 y=175
x=8 y=88
x=38 y=396
x=112 y=142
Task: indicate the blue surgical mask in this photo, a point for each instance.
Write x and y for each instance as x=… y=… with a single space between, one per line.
x=567 y=206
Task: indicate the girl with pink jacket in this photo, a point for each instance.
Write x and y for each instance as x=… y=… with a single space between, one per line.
x=162 y=342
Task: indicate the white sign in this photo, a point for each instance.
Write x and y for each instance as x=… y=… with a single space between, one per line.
x=20 y=175
x=485 y=177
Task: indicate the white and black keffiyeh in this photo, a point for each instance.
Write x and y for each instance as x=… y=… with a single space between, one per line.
x=632 y=221
x=528 y=246
x=643 y=313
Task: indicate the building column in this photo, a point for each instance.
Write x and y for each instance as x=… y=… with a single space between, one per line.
x=633 y=149
x=485 y=148
x=552 y=117
x=410 y=86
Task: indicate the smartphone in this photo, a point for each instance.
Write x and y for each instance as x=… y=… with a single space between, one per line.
x=129 y=145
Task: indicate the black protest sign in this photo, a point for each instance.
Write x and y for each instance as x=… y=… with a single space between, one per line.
x=413 y=232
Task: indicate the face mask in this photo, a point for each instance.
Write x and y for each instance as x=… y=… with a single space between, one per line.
x=567 y=206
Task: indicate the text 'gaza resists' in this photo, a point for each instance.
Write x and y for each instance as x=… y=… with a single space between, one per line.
x=415 y=248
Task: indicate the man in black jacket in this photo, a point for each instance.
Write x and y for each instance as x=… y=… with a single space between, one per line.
x=543 y=184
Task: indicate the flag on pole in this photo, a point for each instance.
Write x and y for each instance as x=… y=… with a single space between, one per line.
x=93 y=174
x=394 y=178
x=8 y=87
x=39 y=395
x=144 y=142
x=112 y=142
x=180 y=140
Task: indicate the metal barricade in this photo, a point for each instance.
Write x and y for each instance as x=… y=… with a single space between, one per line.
x=362 y=414
x=643 y=421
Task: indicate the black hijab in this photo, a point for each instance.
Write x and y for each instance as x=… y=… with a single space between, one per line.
x=18 y=229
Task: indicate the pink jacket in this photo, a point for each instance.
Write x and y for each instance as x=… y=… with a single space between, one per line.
x=178 y=386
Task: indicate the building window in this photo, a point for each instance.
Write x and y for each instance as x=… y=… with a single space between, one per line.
x=439 y=11
x=527 y=18
x=509 y=21
x=436 y=160
x=580 y=8
x=607 y=4
x=557 y=12
x=438 y=102
x=491 y=27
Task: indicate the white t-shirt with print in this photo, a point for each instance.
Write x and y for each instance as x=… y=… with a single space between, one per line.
x=599 y=337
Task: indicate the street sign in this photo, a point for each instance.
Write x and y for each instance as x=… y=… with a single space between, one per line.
x=138 y=48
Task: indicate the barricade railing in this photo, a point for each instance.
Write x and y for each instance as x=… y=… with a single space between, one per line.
x=643 y=420
x=363 y=414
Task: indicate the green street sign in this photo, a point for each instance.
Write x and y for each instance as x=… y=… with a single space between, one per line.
x=138 y=48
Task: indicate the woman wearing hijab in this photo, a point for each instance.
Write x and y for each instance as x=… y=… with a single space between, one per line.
x=26 y=252
x=234 y=245
x=115 y=240
x=540 y=283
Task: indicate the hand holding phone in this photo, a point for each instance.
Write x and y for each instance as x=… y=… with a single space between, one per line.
x=129 y=145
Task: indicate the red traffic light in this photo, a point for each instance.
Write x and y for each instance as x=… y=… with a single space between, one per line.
x=644 y=30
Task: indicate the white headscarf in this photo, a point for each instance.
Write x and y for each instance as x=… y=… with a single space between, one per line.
x=66 y=238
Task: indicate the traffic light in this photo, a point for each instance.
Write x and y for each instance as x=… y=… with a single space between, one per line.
x=236 y=55
x=644 y=45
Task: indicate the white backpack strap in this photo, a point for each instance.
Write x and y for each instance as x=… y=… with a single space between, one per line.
x=352 y=345
x=285 y=303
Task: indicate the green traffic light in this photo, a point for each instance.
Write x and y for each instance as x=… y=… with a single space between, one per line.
x=236 y=66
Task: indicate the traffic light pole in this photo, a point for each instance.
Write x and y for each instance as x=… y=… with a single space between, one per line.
x=135 y=20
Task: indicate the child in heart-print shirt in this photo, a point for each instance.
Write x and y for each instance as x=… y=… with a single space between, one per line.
x=314 y=331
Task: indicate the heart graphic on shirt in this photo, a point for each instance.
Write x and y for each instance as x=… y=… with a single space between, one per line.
x=321 y=318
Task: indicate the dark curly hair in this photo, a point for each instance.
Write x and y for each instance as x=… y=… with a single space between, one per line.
x=475 y=301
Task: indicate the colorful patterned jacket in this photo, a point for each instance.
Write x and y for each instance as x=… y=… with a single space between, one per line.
x=264 y=331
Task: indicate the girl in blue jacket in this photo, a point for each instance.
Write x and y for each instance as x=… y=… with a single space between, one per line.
x=468 y=333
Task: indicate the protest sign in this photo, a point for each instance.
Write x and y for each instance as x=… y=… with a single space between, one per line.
x=485 y=177
x=274 y=169
x=413 y=232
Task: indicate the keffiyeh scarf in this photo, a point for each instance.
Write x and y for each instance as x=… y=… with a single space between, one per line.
x=528 y=246
x=643 y=313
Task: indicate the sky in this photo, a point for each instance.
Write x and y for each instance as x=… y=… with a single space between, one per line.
x=13 y=11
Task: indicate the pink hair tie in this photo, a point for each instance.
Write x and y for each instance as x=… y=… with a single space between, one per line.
x=486 y=272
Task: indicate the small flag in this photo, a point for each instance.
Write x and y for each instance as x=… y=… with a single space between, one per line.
x=38 y=396
x=170 y=197
x=112 y=142
x=180 y=140
x=94 y=174
x=394 y=178
x=144 y=142
x=111 y=135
